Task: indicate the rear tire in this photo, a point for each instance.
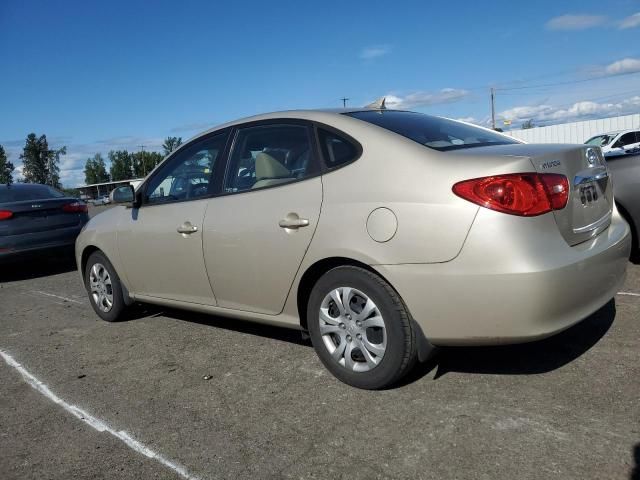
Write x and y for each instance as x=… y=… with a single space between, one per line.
x=360 y=328
x=104 y=288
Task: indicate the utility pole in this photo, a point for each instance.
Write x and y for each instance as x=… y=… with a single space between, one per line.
x=144 y=165
x=493 y=108
x=344 y=102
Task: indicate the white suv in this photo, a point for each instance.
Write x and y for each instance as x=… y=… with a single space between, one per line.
x=626 y=142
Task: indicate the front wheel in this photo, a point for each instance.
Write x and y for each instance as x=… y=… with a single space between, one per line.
x=104 y=288
x=360 y=328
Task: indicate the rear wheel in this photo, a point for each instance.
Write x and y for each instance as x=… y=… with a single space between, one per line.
x=104 y=288
x=360 y=328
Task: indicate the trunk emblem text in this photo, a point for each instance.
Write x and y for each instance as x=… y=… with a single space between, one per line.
x=553 y=163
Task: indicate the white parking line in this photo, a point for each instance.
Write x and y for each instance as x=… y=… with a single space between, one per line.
x=631 y=294
x=94 y=422
x=67 y=299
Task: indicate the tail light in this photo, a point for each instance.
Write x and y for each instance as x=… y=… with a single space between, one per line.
x=75 y=207
x=523 y=194
x=5 y=214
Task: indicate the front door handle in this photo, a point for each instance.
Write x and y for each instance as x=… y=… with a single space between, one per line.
x=186 y=228
x=293 y=222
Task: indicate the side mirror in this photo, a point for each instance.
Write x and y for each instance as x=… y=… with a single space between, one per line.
x=124 y=194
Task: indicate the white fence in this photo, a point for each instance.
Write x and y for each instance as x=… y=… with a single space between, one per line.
x=576 y=132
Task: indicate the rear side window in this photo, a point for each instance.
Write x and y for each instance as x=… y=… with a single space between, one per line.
x=336 y=149
x=269 y=155
x=600 y=140
x=433 y=132
x=20 y=193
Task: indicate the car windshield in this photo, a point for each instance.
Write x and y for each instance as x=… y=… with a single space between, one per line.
x=19 y=193
x=433 y=132
x=600 y=140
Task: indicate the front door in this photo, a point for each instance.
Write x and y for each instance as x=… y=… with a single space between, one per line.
x=257 y=233
x=160 y=243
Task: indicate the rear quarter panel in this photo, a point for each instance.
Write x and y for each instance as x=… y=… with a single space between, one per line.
x=412 y=181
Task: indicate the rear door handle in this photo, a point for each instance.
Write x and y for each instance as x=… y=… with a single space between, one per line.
x=186 y=228
x=291 y=222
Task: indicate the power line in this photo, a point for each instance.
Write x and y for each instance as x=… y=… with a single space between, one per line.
x=568 y=82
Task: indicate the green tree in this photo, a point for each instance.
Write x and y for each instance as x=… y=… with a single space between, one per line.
x=144 y=162
x=71 y=192
x=41 y=164
x=95 y=170
x=121 y=165
x=170 y=144
x=53 y=173
x=528 y=124
x=6 y=168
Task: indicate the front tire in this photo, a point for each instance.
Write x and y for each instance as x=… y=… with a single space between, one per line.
x=360 y=328
x=104 y=288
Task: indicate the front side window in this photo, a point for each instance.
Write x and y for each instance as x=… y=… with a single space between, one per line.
x=268 y=155
x=600 y=140
x=189 y=174
x=336 y=149
x=433 y=132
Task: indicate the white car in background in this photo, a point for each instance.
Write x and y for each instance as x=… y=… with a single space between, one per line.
x=101 y=201
x=625 y=142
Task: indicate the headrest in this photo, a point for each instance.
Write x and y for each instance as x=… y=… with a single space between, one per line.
x=268 y=167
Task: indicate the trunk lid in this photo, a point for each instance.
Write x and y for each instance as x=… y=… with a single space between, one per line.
x=589 y=208
x=39 y=215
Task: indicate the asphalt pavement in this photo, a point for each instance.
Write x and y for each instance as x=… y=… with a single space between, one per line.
x=183 y=395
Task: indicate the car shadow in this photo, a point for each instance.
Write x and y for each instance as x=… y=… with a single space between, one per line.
x=37 y=265
x=523 y=359
x=530 y=358
x=635 y=473
x=283 y=334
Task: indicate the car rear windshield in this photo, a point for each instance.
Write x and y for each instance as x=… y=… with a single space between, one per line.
x=19 y=193
x=433 y=132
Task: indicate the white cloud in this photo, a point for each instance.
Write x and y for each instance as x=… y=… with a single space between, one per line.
x=578 y=110
x=423 y=99
x=621 y=67
x=575 y=22
x=469 y=120
x=375 y=51
x=631 y=21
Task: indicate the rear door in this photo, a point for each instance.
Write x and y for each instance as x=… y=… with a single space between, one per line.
x=258 y=231
x=160 y=243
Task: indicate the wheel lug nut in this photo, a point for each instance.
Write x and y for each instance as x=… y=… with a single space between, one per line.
x=358 y=336
x=348 y=338
x=359 y=323
x=342 y=325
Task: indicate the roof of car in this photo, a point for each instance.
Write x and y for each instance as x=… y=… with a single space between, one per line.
x=617 y=132
x=303 y=114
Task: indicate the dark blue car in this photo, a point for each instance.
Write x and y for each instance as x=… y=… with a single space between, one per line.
x=38 y=217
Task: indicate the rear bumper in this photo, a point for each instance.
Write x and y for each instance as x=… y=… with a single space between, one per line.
x=513 y=288
x=13 y=245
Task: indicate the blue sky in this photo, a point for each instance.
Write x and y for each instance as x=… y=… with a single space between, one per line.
x=96 y=76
